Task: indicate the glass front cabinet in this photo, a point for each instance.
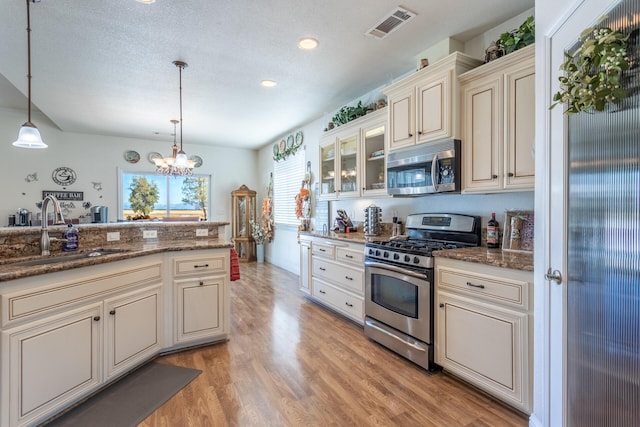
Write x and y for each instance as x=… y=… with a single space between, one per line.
x=243 y=202
x=352 y=158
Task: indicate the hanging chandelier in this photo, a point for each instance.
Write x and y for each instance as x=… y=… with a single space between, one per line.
x=29 y=136
x=177 y=164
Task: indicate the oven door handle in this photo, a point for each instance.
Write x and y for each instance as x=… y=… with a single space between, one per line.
x=395 y=269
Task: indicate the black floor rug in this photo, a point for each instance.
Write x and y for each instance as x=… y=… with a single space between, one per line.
x=130 y=400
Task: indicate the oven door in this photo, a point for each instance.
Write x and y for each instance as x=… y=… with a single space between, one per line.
x=400 y=298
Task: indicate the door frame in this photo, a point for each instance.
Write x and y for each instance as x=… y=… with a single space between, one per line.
x=550 y=336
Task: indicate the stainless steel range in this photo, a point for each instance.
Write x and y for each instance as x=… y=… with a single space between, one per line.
x=399 y=282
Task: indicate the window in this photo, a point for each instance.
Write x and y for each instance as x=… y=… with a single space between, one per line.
x=287 y=180
x=177 y=197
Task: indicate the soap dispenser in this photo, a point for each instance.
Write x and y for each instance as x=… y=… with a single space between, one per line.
x=71 y=239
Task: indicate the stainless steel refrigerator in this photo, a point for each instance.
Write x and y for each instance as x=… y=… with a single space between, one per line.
x=603 y=290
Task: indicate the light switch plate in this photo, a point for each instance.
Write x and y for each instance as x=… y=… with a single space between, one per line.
x=113 y=236
x=149 y=234
x=201 y=232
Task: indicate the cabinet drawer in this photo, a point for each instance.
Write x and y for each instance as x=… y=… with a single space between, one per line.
x=199 y=265
x=350 y=278
x=82 y=286
x=350 y=255
x=506 y=291
x=324 y=250
x=342 y=301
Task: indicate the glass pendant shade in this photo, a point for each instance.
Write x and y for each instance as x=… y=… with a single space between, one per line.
x=29 y=137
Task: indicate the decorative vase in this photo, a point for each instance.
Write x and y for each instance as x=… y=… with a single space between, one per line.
x=260 y=252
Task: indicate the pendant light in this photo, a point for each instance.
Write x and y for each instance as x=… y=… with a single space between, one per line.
x=178 y=164
x=29 y=136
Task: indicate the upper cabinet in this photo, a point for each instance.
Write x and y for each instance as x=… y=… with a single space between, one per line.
x=425 y=106
x=498 y=119
x=352 y=158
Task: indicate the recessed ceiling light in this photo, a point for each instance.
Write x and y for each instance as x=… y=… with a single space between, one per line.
x=268 y=83
x=146 y=1
x=308 y=43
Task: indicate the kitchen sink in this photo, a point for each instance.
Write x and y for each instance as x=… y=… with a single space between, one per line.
x=67 y=257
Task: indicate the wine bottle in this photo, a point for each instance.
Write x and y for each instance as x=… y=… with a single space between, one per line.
x=493 y=232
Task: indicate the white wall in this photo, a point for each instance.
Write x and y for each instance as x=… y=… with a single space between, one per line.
x=96 y=158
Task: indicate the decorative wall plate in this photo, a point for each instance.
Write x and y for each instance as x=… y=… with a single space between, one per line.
x=276 y=149
x=290 y=141
x=152 y=156
x=197 y=160
x=63 y=176
x=132 y=156
x=298 y=138
x=283 y=146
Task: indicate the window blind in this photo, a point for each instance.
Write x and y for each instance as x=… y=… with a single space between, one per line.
x=287 y=180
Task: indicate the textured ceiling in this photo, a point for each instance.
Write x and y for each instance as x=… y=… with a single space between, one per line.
x=105 y=66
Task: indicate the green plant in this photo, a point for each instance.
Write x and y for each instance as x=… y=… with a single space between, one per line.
x=143 y=196
x=195 y=192
x=592 y=73
x=522 y=36
x=346 y=114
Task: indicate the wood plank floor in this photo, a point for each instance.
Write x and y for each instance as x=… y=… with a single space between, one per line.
x=291 y=362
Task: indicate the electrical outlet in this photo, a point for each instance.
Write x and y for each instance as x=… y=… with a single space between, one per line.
x=113 y=236
x=202 y=232
x=149 y=234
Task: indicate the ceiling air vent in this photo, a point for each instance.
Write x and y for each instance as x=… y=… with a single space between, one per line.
x=394 y=20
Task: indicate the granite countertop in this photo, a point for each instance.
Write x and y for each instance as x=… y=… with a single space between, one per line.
x=484 y=255
x=10 y=268
x=345 y=237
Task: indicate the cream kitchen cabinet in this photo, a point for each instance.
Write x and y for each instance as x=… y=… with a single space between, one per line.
x=201 y=302
x=305 y=265
x=133 y=329
x=65 y=334
x=425 y=106
x=337 y=276
x=484 y=328
x=352 y=158
x=498 y=115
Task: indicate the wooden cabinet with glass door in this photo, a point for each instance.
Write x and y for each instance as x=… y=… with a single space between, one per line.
x=243 y=202
x=373 y=176
x=352 y=158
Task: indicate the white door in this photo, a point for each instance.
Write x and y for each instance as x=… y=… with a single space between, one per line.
x=550 y=394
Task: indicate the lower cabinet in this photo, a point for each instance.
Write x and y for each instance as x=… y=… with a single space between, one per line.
x=304 y=281
x=484 y=327
x=200 y=297
x=63 y=335
x=335 y=274
x=198 y=309
x=134 y=329
x=47 y=364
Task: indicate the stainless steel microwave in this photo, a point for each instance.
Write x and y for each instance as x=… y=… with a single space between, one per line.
x=427 y=168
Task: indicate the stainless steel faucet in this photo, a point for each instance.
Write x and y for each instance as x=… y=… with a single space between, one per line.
x=58 y=219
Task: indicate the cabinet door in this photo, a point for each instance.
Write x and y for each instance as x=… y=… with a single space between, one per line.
x=133 y=323
x=483 y=130
x=348 y=173
x=402 y=119
x=373 y=176
x=434 y=108
x=520 y=131
x=484 y=344
x=305 y=266
x=200 y=308
x=328 y=169
x=51 y=362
